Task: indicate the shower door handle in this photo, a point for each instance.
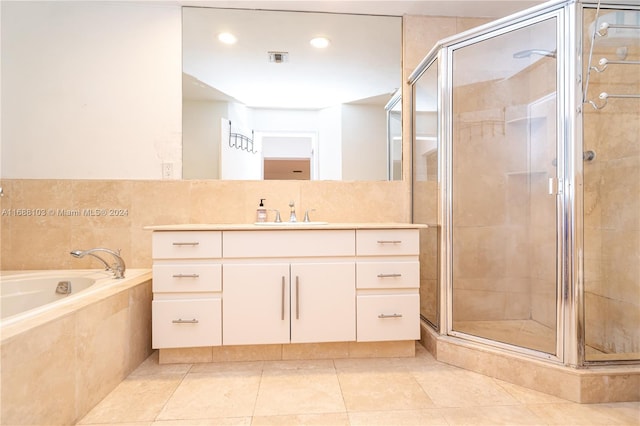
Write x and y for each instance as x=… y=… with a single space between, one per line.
x=555 y=186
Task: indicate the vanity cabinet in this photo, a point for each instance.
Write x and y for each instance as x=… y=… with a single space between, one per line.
x=288 y=302
x=388 y=279
x=293 y=286
x=187 y=289
x=246 y=285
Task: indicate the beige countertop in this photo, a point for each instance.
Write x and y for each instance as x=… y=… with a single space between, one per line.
x=281 y=226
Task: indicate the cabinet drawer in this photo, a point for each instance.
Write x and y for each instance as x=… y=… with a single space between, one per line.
x=388 y=317
x=288 y=243
x=186 y=277
x=187 y=245
x=382 y=242
x=186 y=323
x=387 y=274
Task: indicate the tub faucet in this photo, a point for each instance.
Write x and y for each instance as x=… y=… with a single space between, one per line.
x=118 y=267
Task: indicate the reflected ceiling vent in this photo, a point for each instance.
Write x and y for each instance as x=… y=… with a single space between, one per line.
x=278 y=57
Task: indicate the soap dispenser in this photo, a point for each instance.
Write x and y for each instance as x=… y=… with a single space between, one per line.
x=261 y=212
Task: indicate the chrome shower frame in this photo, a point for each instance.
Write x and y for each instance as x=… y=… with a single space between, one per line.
x=570 y=320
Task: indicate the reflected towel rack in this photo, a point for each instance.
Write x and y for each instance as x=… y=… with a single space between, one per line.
x=240 y=141
x=604 y=96
x=603 y=30
x=604 y=62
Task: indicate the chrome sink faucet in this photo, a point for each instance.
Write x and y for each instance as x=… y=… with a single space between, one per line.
x=306 y=215
x=118 y=267
x=292 y=216
x=277 y=219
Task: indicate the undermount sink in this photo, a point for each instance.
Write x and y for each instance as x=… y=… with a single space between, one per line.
x=290 y=223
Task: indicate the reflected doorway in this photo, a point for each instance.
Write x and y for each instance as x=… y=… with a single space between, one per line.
x=289 y=156
x=287 y=169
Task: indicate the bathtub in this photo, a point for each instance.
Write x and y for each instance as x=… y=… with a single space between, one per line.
x=81 y=344
x=22 y=292
x=26 y=294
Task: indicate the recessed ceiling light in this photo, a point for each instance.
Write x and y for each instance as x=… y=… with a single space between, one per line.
x=227 y=38
x=319 y=42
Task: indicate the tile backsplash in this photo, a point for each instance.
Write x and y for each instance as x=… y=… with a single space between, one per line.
x=43 y=220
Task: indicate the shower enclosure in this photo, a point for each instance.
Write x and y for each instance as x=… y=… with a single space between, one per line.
x=526 y=155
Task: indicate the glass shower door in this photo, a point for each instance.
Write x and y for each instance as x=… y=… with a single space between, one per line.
x=504 y=187
x=425 y=189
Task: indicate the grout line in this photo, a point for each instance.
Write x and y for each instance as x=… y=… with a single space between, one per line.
x=184 y=375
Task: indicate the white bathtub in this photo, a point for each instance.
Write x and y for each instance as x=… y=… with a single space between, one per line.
x=24 y=294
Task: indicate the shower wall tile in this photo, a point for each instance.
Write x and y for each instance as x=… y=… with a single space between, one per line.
x=621 y=268
x=425 y=197
x=464 y=24
x=611 y=203
x=429 y=301
x=621 y=193
x=421 y=33
x=480 y=252
x=518 y=245
x=429 y=253
x=544 y=304
x=478 y=305
x=518 y=304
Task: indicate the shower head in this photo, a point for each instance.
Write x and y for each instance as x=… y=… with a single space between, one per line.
x=527 y=53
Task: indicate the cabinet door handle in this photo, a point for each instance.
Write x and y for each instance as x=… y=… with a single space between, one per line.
x=390 y=316
x=181 y=321
x=297 y=297
x=389 y=275
x=192 y=243
x=389 y=241
x=186 y=275
x=282 y=304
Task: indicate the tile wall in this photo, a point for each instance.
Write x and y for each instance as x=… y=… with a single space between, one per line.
x=113 y=213
x=611 y=205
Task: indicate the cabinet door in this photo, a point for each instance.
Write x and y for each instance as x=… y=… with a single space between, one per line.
x=323 y=302
x=255 y=304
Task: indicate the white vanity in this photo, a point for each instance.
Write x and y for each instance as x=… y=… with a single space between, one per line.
x=248 y=289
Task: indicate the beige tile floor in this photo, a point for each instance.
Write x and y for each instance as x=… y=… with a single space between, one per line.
x=382 y=391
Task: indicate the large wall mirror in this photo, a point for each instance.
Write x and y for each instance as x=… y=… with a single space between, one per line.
x=262 y=101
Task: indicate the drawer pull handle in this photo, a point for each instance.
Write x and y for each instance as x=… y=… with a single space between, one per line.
x=186 y=276
x=181 y=321
x=193 y=243
x=389 y=275
x=383 y=316
x=389 y=241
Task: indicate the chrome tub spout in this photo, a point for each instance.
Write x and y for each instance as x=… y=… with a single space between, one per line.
x=118 y=267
